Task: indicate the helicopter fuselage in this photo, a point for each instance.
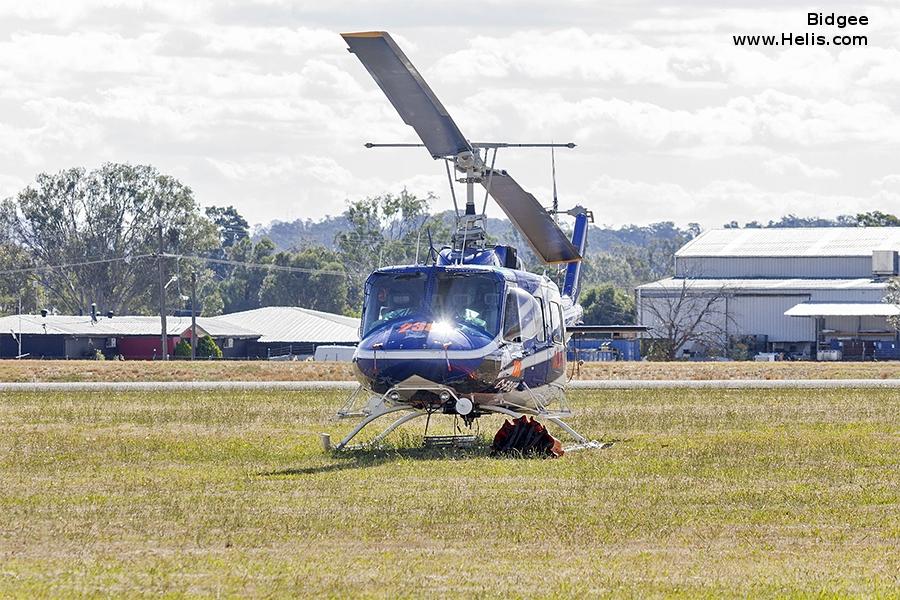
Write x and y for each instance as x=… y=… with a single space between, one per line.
x=493 y=335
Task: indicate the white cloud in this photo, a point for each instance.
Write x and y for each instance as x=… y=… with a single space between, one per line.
x=769 y=117
x=888 y=182
x=258 y=104
x=322 y=169
x=10 y=185
x=710 y=60
x=791 y=165
x=720 y=202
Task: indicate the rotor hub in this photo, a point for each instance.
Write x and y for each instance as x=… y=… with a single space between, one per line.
x=469 y=162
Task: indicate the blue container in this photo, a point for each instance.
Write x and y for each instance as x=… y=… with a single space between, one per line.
x=590 y=350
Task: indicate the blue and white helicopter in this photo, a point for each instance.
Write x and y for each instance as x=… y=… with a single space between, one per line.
x=469 y=333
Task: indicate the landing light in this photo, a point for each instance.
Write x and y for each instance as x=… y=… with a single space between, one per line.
x=445 y=396
x=463 y=406
x=394 y=396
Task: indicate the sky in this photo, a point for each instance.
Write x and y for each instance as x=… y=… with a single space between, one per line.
x=258 y=104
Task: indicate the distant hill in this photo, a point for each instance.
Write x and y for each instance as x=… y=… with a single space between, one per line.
x=293 y=235
x=301 y=233
x=625 y=256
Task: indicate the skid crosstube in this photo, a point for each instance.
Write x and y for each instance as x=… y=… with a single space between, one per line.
x=388 y=403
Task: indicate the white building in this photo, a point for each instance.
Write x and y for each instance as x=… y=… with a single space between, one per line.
x=791 y=290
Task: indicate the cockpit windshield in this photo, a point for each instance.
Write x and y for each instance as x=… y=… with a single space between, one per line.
x=390 y=296
x=459 y=299
x=470 y=299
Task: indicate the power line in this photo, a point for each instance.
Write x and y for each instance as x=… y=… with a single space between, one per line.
x=267 y=266
x=236 y=263
x=75 y=264
x=220 y=261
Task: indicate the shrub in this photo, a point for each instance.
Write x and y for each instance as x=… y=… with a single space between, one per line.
x=207 y=348
x=183 y=349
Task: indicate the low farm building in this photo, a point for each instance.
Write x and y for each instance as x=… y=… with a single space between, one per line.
x=132 y=337
x=286 y=331
x=804 y=292
x=269 y=332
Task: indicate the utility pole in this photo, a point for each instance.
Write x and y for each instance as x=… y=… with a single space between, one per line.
x=19 y=340
x=163 y=333
x=193 y=315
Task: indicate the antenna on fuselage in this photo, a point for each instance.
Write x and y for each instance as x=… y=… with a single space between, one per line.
x=432 y=253
x=553 y=174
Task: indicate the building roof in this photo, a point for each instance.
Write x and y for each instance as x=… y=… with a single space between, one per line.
x=117 y=326
x=675 y=283
x=792 y=241
x=293 y=324
x=843 y=309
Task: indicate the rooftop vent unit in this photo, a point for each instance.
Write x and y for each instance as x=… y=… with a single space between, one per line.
x=884 y=263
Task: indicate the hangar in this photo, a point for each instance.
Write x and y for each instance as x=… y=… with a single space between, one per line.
x=805 y=292
x=291 y=331
x=285 y=332
x=132 y=337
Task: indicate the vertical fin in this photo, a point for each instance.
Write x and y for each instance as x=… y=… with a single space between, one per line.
x=572 y=284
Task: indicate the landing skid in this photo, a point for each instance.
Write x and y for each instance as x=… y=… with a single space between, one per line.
x=387 y=404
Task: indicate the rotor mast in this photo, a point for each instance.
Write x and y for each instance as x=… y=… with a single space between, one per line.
x=419 y=107
x=470 y=226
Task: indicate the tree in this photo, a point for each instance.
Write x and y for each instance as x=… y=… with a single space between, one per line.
x=893 y=297
x=183 y=349
x=107 y=221
x=207 y=348
x=240 y=290
x=232 y=226
x=607 y=305
x=325 y=290
x=18 y=289
x=792 y=220
x=877 y=218
x=686 y=316
x=384 y=230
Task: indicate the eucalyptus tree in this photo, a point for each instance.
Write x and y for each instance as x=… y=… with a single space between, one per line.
x=104 y=224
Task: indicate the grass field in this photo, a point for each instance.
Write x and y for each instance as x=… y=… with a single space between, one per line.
x=89 y=370
x=703 y=493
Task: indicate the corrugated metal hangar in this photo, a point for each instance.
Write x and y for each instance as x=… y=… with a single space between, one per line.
x=804 y=292
x=261 y=333
x=294 y=331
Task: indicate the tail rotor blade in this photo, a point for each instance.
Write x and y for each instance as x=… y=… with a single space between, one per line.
x=543 y=234
x=408 y=92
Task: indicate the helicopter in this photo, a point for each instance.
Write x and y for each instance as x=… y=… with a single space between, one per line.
x=469 y=332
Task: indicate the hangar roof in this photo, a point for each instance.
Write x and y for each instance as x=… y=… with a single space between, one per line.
x=293 y=324
x=792 y=241
x=270 y=324
x=674 y=283
x=118 y=326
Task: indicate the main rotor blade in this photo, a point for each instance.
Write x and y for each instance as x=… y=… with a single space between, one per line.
x=408 y=92
x=543 y=234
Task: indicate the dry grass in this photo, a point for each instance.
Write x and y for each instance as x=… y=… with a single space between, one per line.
x=739 y=370
x=176 y=370
x=705 y=493
x=46 y=370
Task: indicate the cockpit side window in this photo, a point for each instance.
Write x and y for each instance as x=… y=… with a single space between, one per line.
x=542 y=329
x=523 y=319
x=512 y=331
x=529 y=313
x=556 y=322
